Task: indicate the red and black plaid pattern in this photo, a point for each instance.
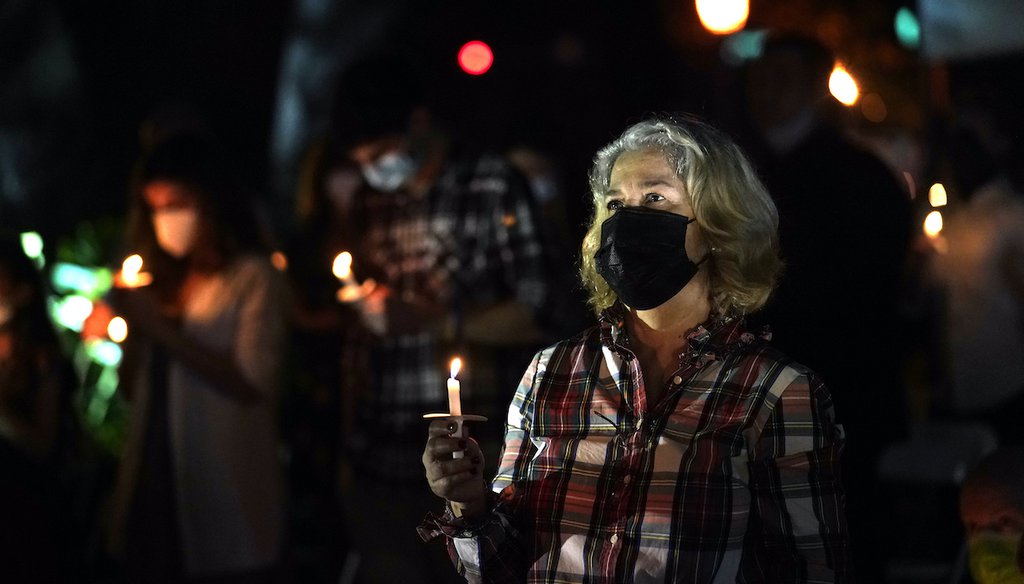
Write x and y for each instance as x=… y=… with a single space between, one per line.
x=732 y=477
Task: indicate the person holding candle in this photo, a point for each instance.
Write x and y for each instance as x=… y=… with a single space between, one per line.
x=454 y=243
x=823 y=182
x=667 y=443
x=200 y=489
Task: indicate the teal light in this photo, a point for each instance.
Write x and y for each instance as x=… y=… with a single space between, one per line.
x=908 y=29
x=746 y=45
x=32 y=245
x=90 y=282
x=105 y=353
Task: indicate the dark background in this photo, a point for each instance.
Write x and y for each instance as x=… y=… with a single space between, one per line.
x=78 y=78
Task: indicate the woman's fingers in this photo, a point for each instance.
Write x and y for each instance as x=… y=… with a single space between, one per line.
x=455 y=479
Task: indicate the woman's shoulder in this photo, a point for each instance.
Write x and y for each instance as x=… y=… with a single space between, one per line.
x=588 y=339
x=252 y=265
x=772 y=369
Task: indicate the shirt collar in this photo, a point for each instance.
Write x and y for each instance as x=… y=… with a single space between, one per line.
x=708 y=341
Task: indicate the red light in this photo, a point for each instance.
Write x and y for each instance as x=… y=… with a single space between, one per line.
x=475 y=57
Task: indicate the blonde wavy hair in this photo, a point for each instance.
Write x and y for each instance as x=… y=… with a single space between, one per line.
x=738 y=218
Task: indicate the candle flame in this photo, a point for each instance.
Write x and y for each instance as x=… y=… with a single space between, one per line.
x=132 y=265
x=933 y=224
x=937 y=195
x=342 y=266
x=843 y=86
x=456 y=366
x=117 y=329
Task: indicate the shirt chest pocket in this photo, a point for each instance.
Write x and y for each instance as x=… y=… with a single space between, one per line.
x=560 y=444
x=713 y=451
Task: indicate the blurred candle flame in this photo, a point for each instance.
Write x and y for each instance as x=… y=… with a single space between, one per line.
x=723 y=16
x=132 y=275
x=342 y=266
x=456 y=366
x=843 y=86
x=279 y=260
x=117 y=329
x=937 y=195
x=933 y=224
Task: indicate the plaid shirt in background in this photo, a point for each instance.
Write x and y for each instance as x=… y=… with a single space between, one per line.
x=472 y=240
x=732 y=477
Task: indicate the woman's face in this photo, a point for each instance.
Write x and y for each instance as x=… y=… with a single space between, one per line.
x=646 y=179
x=174 y=210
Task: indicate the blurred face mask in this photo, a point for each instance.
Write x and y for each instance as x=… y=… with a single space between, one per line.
x=994 y=558
x=176 y=230
x=389 y=172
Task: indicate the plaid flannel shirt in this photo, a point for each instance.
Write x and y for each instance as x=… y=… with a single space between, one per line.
x=732 y=477
x=472 y=240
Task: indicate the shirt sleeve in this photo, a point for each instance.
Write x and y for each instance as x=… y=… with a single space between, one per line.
x=260 y=337
x=493 y=548
x=797 y=530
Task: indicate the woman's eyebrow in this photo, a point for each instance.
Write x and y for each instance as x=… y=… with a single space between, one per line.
x=654 y=182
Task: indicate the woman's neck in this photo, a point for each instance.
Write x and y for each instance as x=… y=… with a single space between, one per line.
x=664 y=327
x=658 y=335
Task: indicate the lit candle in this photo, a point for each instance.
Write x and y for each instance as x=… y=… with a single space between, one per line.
x=350 y=290
x=131 y=275
x=933 y=224
x=454 y=402
x=933 y=230
x=117 y=329
x=342 y=268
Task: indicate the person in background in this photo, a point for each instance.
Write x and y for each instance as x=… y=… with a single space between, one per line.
x=36 y=429
x=199 y=495
x=668 y=443
x=35 y=378
x=453 y=242
x=992 y=511
x=844 y=233
x=979 y=272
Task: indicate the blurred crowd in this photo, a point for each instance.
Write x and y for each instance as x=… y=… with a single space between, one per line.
x=276 y=378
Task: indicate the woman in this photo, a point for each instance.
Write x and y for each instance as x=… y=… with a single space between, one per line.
x=200 y=495
x=667 y=443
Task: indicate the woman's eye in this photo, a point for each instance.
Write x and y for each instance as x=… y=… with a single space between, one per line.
x=614 y=205
x=653 y=198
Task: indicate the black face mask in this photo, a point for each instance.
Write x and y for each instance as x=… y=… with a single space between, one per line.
x=643 y=256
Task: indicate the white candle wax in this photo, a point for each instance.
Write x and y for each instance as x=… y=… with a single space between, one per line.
x=454 y=402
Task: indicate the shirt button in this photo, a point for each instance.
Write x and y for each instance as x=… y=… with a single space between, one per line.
x=614 y=538
x=677 y=380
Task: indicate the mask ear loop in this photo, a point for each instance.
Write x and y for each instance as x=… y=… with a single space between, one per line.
x=709 y=252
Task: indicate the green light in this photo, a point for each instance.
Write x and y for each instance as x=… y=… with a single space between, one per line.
x=908 y=29
x=105 y=353
x=71 y=312
x=32 y=245
x=106 y=385
x=90 y=282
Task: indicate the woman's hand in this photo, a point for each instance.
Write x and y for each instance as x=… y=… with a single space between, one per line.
x=456 y=479
x=139 y=307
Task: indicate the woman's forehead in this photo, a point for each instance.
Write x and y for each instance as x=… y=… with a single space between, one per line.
x=642 y=166
x=166 y=193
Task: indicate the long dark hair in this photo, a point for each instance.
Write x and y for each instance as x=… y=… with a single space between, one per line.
x=229 y=225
